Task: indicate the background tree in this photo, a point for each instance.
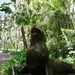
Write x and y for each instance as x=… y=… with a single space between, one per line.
x=55 y=18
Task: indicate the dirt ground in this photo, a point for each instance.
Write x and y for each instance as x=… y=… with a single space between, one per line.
x=3 y=58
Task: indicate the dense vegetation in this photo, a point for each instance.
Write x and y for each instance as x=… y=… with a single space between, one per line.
x=55 y=17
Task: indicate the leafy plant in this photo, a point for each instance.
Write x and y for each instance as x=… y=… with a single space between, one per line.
x=4 y=7
x=16 y=61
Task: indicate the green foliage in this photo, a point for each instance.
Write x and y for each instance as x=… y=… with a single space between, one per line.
x=5 y=4
x=16 y=61
x=57 y=3
x=59 y=49
x=63 y=47
x=4 y=7
x=13 y=1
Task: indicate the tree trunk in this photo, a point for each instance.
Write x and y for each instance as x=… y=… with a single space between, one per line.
x=24 y=38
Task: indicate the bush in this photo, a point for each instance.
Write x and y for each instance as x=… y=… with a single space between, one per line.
x=16 y=61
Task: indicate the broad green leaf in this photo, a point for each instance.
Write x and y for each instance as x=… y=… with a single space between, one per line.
x=57 y=3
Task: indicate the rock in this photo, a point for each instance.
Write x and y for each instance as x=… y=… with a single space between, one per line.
x=59 y=68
